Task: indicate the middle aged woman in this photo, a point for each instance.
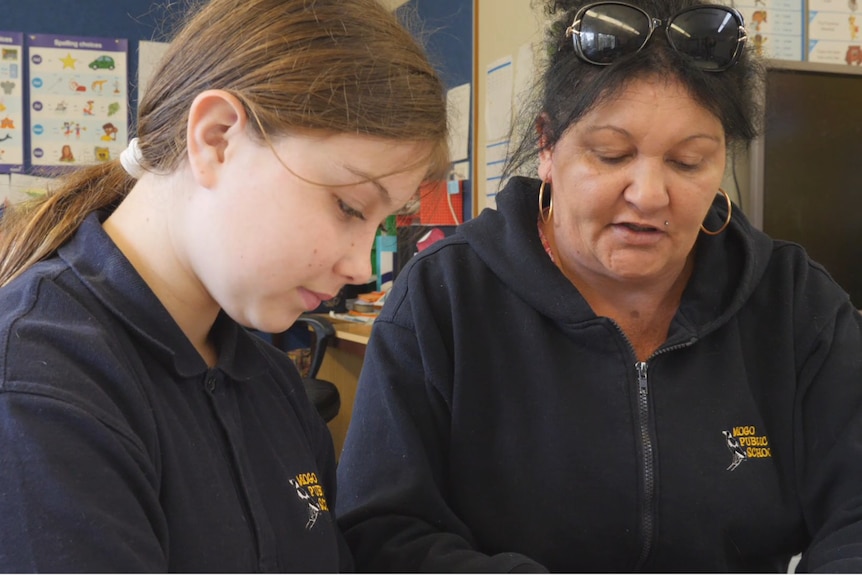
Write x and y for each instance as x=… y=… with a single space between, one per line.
x=615 y=371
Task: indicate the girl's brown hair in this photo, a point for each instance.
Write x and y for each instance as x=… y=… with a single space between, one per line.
x=343 y=66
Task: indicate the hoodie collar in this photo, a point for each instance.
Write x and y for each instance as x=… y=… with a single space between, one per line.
x=727 y=266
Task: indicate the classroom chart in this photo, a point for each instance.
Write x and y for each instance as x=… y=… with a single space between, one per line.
x=774 y=27
x=834 y=35
x=11 y=102
x=78 y=99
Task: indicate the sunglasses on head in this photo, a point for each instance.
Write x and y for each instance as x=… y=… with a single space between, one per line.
x=711 y=36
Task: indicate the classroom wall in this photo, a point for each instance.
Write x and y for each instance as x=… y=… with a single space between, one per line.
x=445 y=28
x=503 y=27
x=447 y=23
x=462 y=37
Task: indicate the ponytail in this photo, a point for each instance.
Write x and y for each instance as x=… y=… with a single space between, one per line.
x=34 y=229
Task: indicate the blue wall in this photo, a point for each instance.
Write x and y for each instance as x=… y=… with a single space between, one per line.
x=447 y=26
x=447 y=33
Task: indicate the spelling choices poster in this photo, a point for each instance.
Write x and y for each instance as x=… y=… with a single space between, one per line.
x=78 y=99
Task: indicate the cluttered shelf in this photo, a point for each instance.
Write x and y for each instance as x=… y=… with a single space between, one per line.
x=362 y=310
x=351 y=331
x=347 y=330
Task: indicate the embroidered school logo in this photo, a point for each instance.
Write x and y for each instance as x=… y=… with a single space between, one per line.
x=745 y=444
x=310 y=492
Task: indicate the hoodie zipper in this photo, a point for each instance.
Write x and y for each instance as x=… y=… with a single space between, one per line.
x=647 y=518
x=648 y=513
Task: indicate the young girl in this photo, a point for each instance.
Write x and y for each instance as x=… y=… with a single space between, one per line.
x=143 y=428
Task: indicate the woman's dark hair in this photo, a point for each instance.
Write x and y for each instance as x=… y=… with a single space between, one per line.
x=570 y=87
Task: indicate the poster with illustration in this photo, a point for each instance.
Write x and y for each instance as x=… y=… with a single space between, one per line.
x=834 y=34
x=78 y=99
x=11 y=102
x=775 y=27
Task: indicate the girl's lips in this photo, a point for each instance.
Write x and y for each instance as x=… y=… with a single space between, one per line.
x=311 y=300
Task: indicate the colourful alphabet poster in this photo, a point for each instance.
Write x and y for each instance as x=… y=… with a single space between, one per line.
x=11 y=102
x=774 y=27
x=834 y=32
x=78 y=99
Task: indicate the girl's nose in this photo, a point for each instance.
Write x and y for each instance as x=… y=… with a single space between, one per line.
x=355 y=265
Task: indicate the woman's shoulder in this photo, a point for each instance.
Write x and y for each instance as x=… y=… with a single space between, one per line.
x=792 y=263
x=799 y=289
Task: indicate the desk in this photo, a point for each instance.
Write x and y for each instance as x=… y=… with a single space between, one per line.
x=341 y=365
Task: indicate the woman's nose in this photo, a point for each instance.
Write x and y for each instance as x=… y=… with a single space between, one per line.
x=647 y=189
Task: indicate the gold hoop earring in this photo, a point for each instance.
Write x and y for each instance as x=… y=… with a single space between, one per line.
x=726 y=221
x=546 y=217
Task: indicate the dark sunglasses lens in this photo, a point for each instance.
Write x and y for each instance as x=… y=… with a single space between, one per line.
x=608 y=31
x=709 y=36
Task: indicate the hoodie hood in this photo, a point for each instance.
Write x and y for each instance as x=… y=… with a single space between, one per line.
x=727 y=266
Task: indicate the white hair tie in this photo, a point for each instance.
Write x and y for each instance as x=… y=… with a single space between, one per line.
x=131 y=159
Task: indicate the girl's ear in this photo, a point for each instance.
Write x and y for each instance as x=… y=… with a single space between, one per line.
x=216 y=119
x=545 y=149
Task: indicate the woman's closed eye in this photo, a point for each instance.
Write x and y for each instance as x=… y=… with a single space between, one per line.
x=686 y=164
x=612 y=158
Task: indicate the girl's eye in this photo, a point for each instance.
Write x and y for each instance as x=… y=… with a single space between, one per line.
x=348 y=211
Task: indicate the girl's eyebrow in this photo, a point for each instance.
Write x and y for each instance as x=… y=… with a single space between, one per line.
x=385 y=197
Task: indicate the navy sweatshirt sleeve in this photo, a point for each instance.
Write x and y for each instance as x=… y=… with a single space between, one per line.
x=54 y=519
x=829 y=432
x=393 y=506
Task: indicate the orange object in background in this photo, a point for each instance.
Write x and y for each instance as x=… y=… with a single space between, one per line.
x=434 y=207
x=371 y=296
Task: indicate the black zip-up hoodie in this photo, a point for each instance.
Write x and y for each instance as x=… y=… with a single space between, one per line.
x=500 y=425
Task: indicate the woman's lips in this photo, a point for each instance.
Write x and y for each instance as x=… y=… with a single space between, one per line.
x=638 y=234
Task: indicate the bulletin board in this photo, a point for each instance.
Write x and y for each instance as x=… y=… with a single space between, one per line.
x=129 y=20
x=446 y=29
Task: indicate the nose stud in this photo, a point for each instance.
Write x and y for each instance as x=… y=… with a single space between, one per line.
x=666 y=223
